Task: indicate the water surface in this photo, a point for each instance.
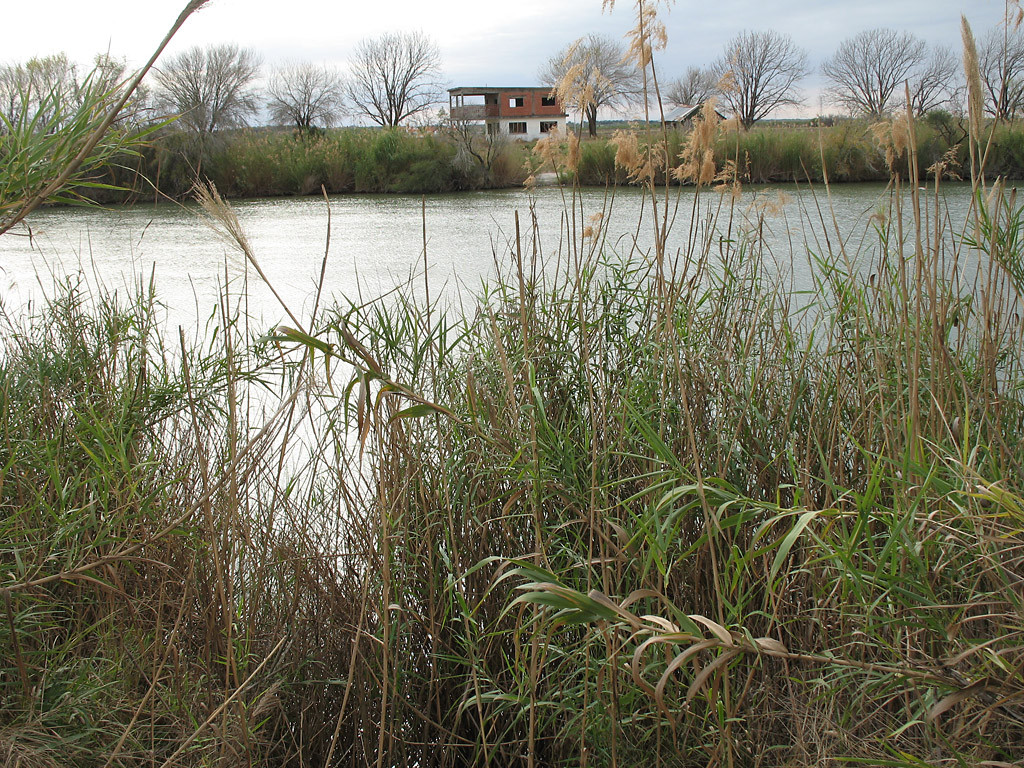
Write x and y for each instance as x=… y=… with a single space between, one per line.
x=377 y=242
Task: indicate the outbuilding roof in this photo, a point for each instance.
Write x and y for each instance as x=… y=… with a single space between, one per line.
x=684 y=112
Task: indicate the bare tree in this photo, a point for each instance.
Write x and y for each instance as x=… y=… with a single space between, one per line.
x=936 y=82
x=109 y=75
x=43 y=87
x=14 y=94
x=693 y=88
x=306 y=96
x=107 y=72
x=49 y=88
x=867 y=68
x=593 y=73
x=1001 y=60
x=56 y=75
x=209 y=88
x=760 y=71
x=394 y=77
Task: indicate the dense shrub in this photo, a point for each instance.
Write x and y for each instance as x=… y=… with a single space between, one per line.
x=259 y=163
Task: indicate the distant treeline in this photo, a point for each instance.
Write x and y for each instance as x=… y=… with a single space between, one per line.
x=270 y=163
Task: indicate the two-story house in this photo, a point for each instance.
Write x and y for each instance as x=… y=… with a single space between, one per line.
x=520 y=113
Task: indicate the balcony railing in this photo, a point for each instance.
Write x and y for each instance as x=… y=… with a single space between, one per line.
x=474 y=111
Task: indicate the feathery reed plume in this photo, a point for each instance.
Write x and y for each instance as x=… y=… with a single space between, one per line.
x=727 y=82
x=975 y=93
x=697 y=159
x=627 y=150
x=945 y=165
x=548 y=149
x=572 y=160
x=893 y=136
x=648 y=35
x=637 y=161
x=221 y=218
x=582 y=79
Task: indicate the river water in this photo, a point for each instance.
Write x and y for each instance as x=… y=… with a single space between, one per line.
x=377 y=242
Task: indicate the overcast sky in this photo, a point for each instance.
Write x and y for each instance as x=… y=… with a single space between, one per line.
x=482 y=42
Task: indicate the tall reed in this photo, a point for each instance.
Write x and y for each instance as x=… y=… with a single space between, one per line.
x=644 y=507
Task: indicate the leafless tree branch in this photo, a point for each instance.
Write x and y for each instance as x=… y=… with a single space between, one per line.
x=693 y=88
x=394 y=77
x=210 y=88
x=867 y=69
x=759 y=72
x=306 y=96
x=937 y=82
x=1001 y=60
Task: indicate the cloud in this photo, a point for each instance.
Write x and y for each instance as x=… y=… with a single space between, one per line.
x=482 y=43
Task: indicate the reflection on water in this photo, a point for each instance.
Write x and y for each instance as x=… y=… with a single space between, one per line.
x=376 y=242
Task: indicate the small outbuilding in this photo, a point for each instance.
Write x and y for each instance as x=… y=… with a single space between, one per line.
x=681 y=116
x=520 y=113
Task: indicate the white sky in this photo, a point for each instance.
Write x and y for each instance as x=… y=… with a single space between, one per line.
x=482 y=42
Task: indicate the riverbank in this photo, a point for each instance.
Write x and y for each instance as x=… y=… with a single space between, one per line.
x=274 y=163
x=657 y=510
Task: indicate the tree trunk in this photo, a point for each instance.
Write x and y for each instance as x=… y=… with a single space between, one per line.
x=592 y=120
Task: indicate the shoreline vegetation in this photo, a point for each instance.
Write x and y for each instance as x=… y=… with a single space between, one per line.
x=253 y=163
x=650 y=509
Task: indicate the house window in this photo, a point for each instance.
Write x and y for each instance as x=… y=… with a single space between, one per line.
x=492 y=129
x=547 y=126
x=516 y=101
x=548 y=101
x=517 y=127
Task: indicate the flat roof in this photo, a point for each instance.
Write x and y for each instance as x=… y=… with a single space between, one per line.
x=496 y=89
